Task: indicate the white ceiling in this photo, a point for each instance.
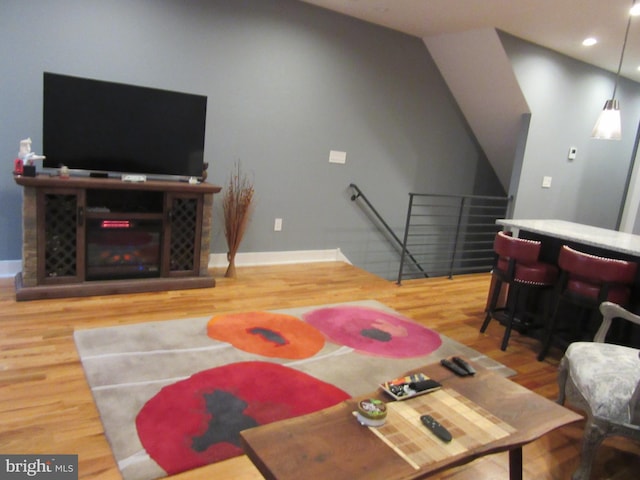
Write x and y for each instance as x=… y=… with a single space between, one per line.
x=560 y=25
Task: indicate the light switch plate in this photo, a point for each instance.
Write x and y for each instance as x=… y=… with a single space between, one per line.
x=546 y=182
x=337 y=157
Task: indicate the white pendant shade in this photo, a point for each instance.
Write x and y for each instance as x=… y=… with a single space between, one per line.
x=608 y=126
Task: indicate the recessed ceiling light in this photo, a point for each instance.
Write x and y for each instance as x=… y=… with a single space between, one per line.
x=588 y=42
x=635 y=10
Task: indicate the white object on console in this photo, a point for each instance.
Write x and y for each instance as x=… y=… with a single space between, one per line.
x=134 y=178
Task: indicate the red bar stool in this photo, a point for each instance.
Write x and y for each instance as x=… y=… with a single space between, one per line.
x=586 y=281
x=516 y=264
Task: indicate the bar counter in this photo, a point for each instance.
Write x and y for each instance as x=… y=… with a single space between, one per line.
x=553 y=234
x=579 y=234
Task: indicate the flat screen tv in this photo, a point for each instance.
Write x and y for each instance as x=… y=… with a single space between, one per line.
x=112 y=128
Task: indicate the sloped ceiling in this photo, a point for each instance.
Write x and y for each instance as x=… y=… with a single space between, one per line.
x=560 y=25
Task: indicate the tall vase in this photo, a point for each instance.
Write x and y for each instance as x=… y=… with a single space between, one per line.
x=231 y=269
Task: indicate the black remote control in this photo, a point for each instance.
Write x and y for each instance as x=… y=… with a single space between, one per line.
x=424 y=385
x=437 y=429
x=455 y=368
x=464 y=364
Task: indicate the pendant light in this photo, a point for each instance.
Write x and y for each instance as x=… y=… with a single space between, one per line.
x=609 y=125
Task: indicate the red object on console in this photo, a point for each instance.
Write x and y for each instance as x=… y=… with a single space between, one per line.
x=18 y=166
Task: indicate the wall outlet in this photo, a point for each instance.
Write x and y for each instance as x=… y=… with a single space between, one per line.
x=277 y=225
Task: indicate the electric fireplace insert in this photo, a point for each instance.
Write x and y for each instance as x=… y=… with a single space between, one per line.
x=118 y=249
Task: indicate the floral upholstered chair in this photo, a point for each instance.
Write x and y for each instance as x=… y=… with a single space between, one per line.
x=603 y=380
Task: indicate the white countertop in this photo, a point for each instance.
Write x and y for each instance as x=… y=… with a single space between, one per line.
x=576 y=232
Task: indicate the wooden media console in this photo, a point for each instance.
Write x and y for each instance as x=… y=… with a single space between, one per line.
x=97 y=236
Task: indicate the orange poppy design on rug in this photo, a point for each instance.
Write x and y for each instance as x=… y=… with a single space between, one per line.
x=267 y=333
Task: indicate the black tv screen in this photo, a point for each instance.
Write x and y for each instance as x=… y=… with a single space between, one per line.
x=99 y=126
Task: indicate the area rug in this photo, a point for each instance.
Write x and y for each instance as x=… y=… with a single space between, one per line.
x=173 y=395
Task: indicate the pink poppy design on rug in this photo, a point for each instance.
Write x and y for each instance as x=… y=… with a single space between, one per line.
x=373 y=331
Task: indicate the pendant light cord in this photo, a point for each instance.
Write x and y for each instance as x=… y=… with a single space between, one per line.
x=624 y=47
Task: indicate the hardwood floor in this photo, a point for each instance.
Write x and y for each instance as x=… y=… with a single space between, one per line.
x=46 y=405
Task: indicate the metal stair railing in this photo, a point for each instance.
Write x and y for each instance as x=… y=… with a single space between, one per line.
x=450 y=234
x=405 y=252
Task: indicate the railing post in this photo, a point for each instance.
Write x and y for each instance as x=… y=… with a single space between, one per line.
x=457 y=235
x=404 y=241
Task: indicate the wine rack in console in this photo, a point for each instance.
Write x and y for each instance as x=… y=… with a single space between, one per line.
x=87 y=236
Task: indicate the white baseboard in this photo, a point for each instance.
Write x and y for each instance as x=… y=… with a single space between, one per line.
x=278 y=258
x=9 y=268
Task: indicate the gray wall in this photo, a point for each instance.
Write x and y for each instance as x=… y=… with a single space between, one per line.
x=565 y=97
x=286 y=82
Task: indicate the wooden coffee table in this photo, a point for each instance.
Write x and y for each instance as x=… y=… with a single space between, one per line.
x=485 y=413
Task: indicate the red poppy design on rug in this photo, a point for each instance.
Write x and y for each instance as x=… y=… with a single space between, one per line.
x=374 y=331
x=269 y=334
x=196 y=421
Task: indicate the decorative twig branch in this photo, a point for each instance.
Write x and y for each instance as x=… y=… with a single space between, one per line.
x=237 y=206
